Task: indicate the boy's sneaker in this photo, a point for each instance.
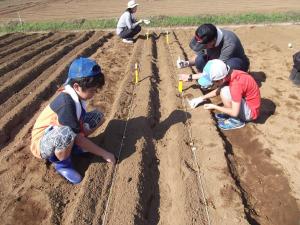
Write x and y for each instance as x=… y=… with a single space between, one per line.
x=128 y=41
x=230 y=124
x=221 y=116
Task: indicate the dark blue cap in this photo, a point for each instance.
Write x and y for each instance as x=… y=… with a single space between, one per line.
x=83 y=67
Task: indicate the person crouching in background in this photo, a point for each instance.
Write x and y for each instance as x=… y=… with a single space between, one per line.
x=128 y=26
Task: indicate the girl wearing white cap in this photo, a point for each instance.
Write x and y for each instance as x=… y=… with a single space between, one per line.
x=128 y=26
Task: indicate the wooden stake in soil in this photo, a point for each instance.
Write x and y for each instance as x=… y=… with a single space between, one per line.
x=147 y=34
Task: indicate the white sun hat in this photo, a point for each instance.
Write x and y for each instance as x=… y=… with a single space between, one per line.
x=131 y=4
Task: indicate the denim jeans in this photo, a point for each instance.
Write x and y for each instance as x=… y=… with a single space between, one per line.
x=234 y=63
x=128 y=34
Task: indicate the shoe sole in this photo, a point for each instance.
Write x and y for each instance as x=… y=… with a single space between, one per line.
x=232 y=128
x=220 y=118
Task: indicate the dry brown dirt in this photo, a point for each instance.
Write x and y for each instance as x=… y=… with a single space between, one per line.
x=246 y=176
x=46 y=10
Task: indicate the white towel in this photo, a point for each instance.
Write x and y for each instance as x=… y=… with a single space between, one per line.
x=69 y=90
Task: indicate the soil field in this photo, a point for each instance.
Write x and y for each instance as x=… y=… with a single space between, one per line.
x=176 y=166
x=49 y=10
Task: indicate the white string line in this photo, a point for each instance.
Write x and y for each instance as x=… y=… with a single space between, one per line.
x=117 y=163
x=200 y=182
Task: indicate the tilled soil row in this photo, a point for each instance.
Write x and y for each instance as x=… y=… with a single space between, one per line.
x=40 y=67
x=90 y=204
x=32 y=63
x=157 y=180
x=229 y=178
x=13 y=61
x=23 y=6
x=247 y=158
x=134 y=197
x=10 y=38
x=53 y=193
x=50 y=79
x=217 y=184
x=5 y=36
x=178 y=181
x=19 y=45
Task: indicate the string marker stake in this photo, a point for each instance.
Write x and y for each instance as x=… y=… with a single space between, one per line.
x=136 y=72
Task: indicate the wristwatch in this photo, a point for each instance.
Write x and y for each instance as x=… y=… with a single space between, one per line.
x=190 y=77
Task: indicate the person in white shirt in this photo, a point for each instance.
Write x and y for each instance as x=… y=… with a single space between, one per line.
x=128 y=26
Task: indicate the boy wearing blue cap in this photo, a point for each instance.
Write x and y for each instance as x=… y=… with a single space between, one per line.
x=211 y=42
x=239 y=93
x=63 y=126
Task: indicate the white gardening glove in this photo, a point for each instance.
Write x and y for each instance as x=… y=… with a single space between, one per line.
x=182 y=63
x=139 y=22
x=146 y=22
x=195 y=101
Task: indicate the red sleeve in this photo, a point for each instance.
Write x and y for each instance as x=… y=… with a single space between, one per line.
x=236 y=92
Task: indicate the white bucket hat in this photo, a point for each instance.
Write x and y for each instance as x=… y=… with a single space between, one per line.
x=131 y=4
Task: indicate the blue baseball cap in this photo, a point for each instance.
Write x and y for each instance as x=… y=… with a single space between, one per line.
x=83 y=67
x=214 y=70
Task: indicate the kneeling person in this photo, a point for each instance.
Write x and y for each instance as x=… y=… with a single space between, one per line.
x=63 y=126
x=239 y=93
x=211 y=42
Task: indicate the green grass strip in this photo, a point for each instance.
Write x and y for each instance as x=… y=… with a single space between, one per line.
x=158 y=21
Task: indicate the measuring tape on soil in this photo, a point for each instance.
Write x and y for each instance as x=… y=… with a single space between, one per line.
x=193 y=148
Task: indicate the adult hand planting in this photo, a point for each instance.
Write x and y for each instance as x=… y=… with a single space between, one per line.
x=182 y=63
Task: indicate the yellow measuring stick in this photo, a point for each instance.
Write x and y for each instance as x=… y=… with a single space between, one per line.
x=136 y=71
x=180 y=86
x=167 y=37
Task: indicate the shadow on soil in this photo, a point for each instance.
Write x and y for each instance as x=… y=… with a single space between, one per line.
x=259 y=77
x=138 y=128
x=267 y=109
x=141 y=133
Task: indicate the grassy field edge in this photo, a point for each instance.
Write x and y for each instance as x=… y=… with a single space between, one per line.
x=159 y=21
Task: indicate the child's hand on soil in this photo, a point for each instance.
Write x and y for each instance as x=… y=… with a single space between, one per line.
x=109 y=157
x=209 y=106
